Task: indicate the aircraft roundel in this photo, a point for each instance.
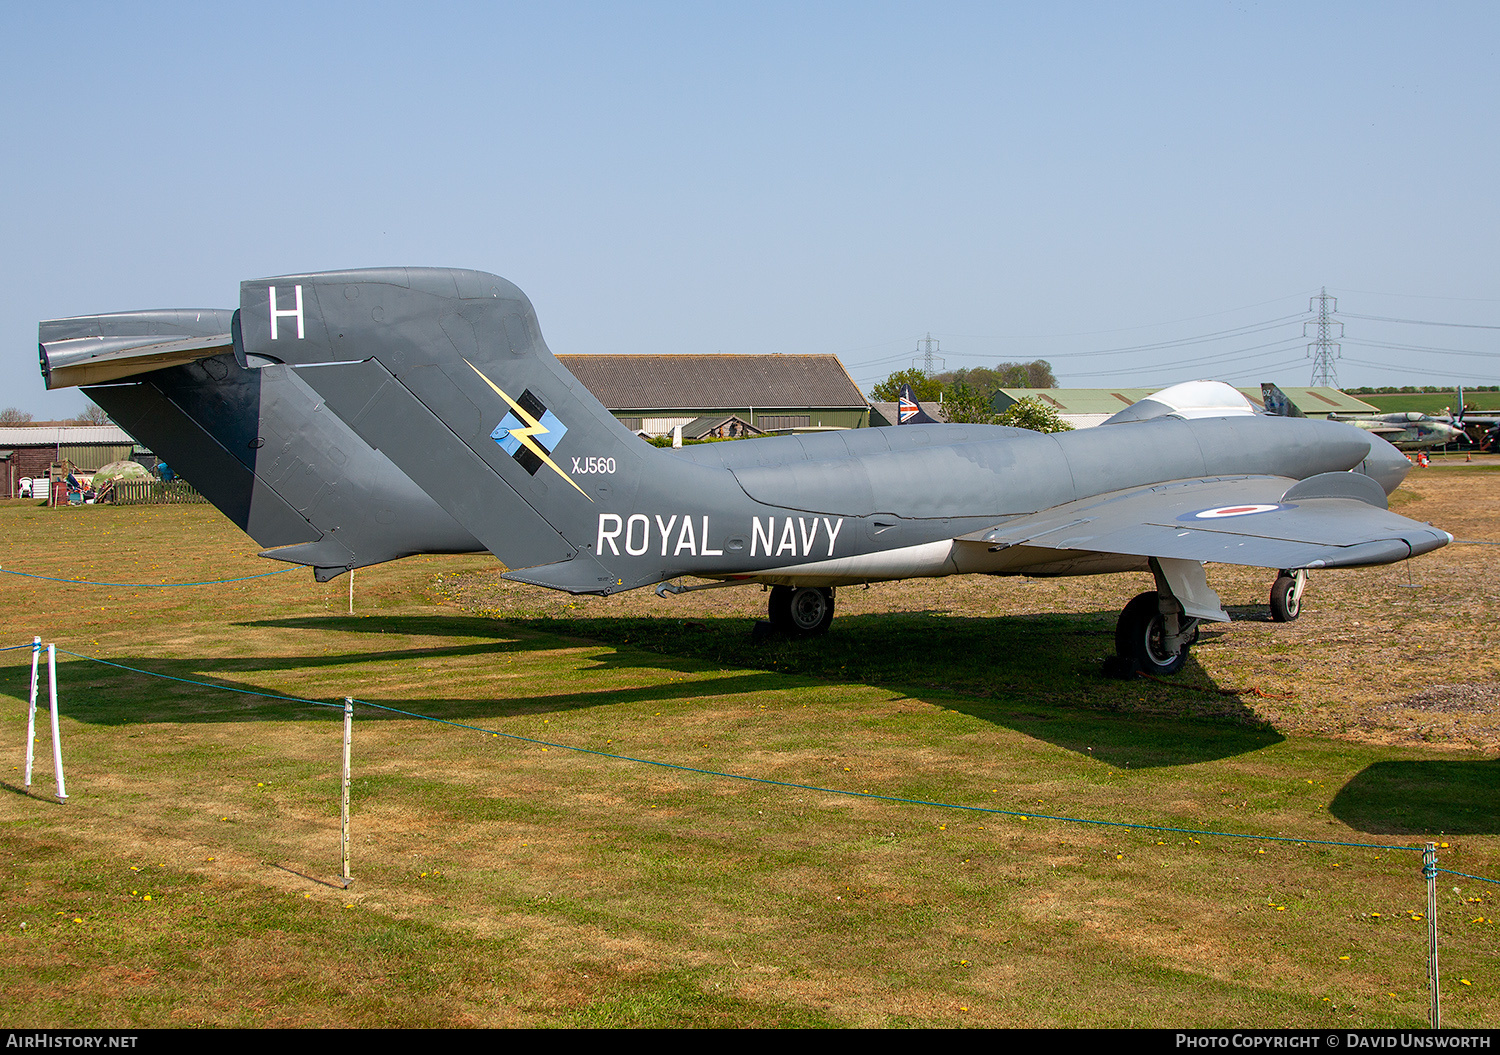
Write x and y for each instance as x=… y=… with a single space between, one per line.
x=1219 y=512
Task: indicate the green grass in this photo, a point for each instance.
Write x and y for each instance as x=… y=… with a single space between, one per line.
x=506 y=882
x=1433 y=402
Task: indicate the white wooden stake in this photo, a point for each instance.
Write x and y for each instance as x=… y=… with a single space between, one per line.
x=36 y=654
x=351 y=591
x=62 y=791
x=344 y=826
x=1429 y=869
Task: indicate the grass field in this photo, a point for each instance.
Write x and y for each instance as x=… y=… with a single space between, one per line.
x=1433 y=402
x=191 y=877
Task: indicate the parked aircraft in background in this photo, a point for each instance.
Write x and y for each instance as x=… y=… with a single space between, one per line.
x=1404 y=430
x=1407 y=430
x=347 y=418
x=909 y=411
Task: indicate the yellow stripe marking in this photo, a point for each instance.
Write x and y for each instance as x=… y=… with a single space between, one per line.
x=533 y=428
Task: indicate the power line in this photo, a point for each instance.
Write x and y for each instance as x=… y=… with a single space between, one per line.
x=1121 y=329
x=1425 y=348
x=1482 y=379
x=1325 y=328
x=1324 y=350
x=1422 y=322
x=1180 y=342
x=1238 y=355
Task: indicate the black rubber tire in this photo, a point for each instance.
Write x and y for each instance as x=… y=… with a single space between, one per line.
x=1138 y=638
x=801 y=611
x=1286 y=602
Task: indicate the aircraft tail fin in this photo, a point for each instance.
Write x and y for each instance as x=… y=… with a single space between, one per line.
x=445 y=371
x=252 y=442
x=910 y=412
x=1278 y=403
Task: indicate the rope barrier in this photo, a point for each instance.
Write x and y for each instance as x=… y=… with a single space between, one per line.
x=1430 y=868
x=992 y=810
x=190 y=681
x=1465 y=875
x=157 y=585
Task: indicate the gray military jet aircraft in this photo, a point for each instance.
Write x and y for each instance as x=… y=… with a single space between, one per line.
x=1408 y=430
x=352 y=417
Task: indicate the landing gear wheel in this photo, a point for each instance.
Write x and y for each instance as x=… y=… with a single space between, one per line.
x=1139 y=639
x=1286 y=597
x=801 y=611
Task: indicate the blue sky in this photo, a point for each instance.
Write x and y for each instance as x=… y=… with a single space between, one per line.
x=1140 y=193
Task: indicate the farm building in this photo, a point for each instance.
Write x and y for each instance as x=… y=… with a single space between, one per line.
x=1085 y=407
x=770 y=393
x=30 y=450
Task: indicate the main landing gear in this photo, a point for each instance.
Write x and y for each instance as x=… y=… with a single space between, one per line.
x=1155 y=630
x=1286 y=595
x=801 y=611
x=1150 y=638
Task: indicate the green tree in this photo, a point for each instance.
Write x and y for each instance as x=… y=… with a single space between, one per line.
x=966 y=405
x=922 y=386
x=1031 y=413
x=1035 y=374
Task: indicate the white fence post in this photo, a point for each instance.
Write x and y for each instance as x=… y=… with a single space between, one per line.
x=62 y=791
x=36 y=654
x=344 y=826
x=1429 y=869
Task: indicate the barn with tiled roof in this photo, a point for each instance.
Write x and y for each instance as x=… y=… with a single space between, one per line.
x=774 y=393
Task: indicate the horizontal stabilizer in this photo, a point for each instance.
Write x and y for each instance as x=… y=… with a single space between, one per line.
x=93 y=349
x=582 y=574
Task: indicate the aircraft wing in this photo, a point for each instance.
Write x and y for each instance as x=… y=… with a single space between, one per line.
x=1327 y=521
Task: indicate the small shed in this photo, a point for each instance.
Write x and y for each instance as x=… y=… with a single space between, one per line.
x=88 y=448
x=719 y=427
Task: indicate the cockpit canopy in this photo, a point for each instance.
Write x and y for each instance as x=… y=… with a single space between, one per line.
x=1191 y=399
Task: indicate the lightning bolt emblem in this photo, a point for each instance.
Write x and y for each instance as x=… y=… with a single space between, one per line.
x=526 y=435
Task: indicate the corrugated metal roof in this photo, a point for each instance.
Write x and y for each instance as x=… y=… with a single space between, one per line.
x=1077 y=400
x=664 y=382
x=52 y=435
x=1314 y=401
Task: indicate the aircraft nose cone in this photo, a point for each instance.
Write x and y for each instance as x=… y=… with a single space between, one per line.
x=1385 y=465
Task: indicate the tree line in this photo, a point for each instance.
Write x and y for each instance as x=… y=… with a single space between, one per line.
x=92 y=415
x=967 y=394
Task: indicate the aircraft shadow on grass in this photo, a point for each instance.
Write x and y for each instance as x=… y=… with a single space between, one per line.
x=1422 y=797
x=1037 y=675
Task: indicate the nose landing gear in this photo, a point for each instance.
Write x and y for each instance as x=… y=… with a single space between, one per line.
x=801 y=611
x=1286 y=595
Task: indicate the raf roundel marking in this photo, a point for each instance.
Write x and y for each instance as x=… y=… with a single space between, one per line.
x=1234 y=511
